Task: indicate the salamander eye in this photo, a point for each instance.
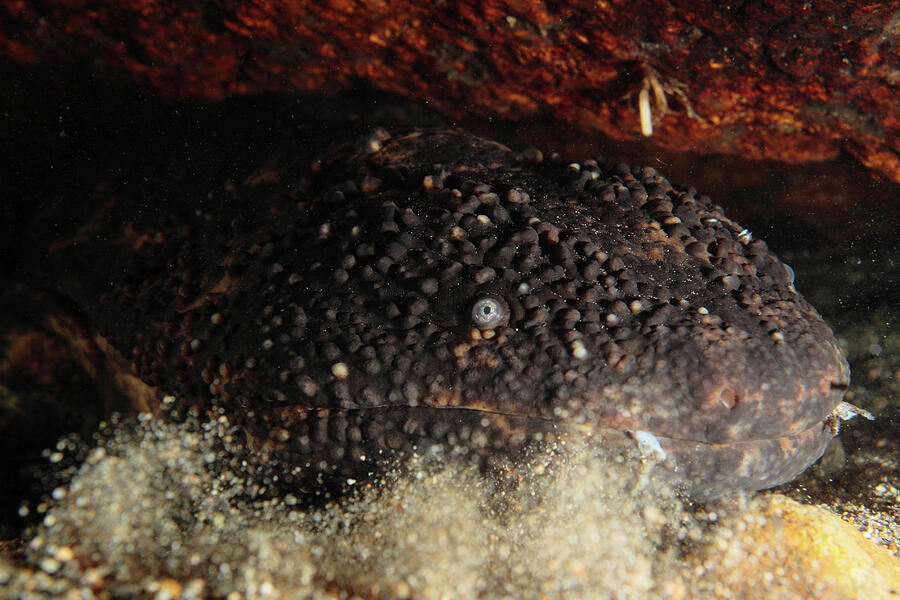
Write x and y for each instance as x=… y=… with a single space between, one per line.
x=489 y=312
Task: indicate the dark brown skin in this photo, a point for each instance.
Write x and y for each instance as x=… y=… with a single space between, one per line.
x=327 y=307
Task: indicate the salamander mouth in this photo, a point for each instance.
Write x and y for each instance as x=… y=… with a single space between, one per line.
x=704 y=470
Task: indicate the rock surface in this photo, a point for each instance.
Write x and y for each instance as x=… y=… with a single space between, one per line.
x=780 y=80
x=789 y=550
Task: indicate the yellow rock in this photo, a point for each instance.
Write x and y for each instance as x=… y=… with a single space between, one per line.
x=779 y=548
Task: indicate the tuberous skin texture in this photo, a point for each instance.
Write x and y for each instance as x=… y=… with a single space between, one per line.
x=327 y=307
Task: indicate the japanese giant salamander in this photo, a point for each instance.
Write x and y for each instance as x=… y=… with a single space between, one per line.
x=437 y=287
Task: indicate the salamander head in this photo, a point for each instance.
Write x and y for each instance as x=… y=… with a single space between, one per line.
x=436 y=283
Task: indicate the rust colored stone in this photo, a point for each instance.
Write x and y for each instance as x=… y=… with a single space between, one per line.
x=779 y=80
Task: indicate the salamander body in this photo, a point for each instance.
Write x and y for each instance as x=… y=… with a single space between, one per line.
x=437 y=287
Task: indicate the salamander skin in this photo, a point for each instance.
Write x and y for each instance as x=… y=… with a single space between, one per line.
x=327 y=306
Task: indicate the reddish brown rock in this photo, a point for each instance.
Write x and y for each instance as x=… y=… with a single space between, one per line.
x=781 y=80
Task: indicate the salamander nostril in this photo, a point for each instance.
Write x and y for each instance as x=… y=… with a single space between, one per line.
x=729 y=398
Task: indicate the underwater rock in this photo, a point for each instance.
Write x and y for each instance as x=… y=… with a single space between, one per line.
x=784 y=81
x=790 y=549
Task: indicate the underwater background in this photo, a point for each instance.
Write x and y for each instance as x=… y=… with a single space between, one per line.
x=104 y=502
